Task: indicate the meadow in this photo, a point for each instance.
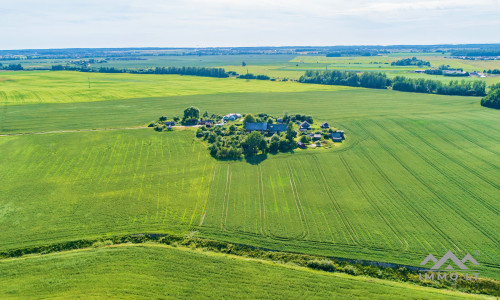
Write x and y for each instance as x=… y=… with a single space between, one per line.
x=68 y=87
x=417 y=175
x=153 y=271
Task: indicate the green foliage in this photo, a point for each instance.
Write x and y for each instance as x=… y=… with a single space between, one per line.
x=366 y=79
x=191 y=113
x=249 y=118
x=492 y=100
x=411 y=62
x=253 y=143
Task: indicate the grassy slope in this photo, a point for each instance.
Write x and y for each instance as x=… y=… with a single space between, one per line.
x=67 y=87
x=150 y=271
x=434 y=158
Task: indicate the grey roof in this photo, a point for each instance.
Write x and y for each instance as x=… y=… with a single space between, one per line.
x=256 y=126
x=305 y=124
x=336 y=134
x=277 y=127
x=325 y=125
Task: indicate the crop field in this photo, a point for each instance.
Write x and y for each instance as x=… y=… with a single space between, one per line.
x=67 y=87
x=150 y=271
x=417 y=175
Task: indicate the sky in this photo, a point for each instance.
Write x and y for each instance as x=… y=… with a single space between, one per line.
x=35 y=24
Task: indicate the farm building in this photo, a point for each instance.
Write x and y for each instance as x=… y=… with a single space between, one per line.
x=272 y=128
x=305 y=126
x=338 y=135
x=231 y=117
x=325 y=125
x=249 y=127
x=276 y=128
x=170 y=123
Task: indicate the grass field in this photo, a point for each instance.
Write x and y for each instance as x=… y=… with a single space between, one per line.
x=151 y=271
x=67 y=87
x=418 y=175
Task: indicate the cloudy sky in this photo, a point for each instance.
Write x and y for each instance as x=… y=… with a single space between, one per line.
x=199 y=23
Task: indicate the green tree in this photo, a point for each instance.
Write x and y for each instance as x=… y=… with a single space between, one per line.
x=249 y=118
x=191 y=113
x=290 y=133
x=274 y=146
x=252 y=143
x=492 y=99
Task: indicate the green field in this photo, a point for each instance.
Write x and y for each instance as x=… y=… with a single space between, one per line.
x=417 y=175
x=66 y=87
x=151 y=271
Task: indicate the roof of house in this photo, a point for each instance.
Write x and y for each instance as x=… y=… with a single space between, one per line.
x=317 y=135
x=256 y=126
x=325 y=125
x=276 y=127
x=336 y=134
x=305 y=125
x=170 y=123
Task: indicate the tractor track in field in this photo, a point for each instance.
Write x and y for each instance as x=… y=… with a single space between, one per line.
x=368 y=198
x=402 y=196
x=262 y=205
x=300 y=209
x=457 y=162
x=76 y=130
x=469 y=153
x=458 y=211
x=460 y=186
x=338 y=209
x=412 y=173
x=478 y=132
x=208 y=197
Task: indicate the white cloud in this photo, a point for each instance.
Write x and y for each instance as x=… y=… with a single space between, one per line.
x=103 y=23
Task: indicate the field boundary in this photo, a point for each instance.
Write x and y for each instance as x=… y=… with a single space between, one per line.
x=375 y=269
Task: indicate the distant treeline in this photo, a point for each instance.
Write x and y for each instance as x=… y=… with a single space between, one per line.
x=476 y=53
x=366 y=79
x=12 y=67
x=411 y=62
x=251 y=76
x=420 y=85
x=355 y=53
x=494 y=71
x=399 y=83
x=192 y=71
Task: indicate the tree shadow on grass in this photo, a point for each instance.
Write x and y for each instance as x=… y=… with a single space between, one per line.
x=257 y=159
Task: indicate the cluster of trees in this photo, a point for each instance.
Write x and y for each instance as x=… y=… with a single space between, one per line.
x=492 y=100
x=399 y=83
x=420 y=85
x=298 y=117
x=366 y=79
x=411 y=62
x=251 y=76
x=233 y=142
x=192 y=71
x=494 y=71
x=12 y=67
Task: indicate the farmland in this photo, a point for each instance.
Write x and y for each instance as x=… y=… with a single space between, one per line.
x=150 y=271
x=417 y=174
